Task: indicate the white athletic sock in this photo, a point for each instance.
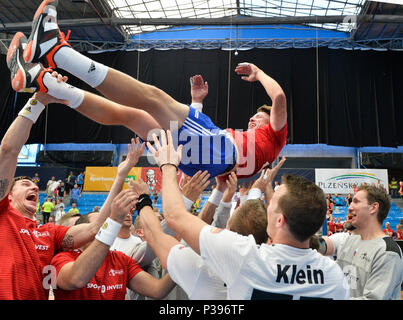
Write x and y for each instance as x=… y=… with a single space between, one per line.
x=91 y=72
x=63 y=91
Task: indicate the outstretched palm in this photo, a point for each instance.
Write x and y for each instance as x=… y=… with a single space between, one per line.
x=164 y=152
x=198 y=88
x=249 y=71
x=135 y=151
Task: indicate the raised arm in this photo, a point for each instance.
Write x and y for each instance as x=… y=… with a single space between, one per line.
x=193 y=188
x=271 y=174
x=178 y=219
x=78 y=235
x=223 y=211
x=198 y=89
x=278 y=113
x=159 y=241
x=14 y=139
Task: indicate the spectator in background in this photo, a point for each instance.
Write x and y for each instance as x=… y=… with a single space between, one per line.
x=51 y=219
x=349 y=199
x=61 y=191
x=394 y=188
x=80 y=181
x=59 y=212
x=36 y=179
x=73 y=208
x=49 y=187
x=399 y=232
x=328 y=215
x=59 y=204
x=388 y=230
x=47 y=208
x=96 y=209
x=75 y=194
x=339 y=225
x=70 y=182
x=276 y=185
x=330 y=202
x=331 y=226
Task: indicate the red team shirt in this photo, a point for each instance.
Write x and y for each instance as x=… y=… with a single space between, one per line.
x=260 y=147
x=339 y=227
x=331 y=228
x=109 y=283
x=24 y=252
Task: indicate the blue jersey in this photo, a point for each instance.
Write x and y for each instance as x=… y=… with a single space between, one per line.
x=205 y=146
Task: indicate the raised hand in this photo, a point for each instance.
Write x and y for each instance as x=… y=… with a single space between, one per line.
x=136 y=149
x=139 y=187
x=249 y=71
x=164 y=152
x=231 y=183
x=271 y=173
x=198 y=88
x=262 y=182
x=122 y=204
x=196 y=185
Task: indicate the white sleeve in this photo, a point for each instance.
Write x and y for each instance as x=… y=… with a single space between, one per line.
x=254 y=194
x=184 y=267
x=222 y=214
x=225 y=252
x=337 y=239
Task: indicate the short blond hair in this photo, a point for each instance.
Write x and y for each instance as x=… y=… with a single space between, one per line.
x=265 y=108
x=137 y=224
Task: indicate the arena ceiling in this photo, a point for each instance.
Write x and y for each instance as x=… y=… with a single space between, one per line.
x=113 y=24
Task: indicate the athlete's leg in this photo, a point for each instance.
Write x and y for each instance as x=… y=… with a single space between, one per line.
x=49 y=46
x=125 y=90
x=107 y=112
x=32 y=77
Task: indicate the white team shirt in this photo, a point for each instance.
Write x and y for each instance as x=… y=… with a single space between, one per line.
x=188 y=270
x=270 y=271
x=127 y=246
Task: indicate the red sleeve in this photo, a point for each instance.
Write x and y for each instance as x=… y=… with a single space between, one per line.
x=133 y=269
x=62 y=258
x=4 y=204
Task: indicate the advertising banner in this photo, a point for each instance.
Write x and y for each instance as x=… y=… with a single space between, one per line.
x=343 y=180
x=101 y=178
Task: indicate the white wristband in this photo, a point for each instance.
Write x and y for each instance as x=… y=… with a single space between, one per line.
x=32 y=110
x=243 y=198
x=254 y=193
x=215 y=197
x=198 y=106
x=226 y=204
x=188 y=202
x=108 y=232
